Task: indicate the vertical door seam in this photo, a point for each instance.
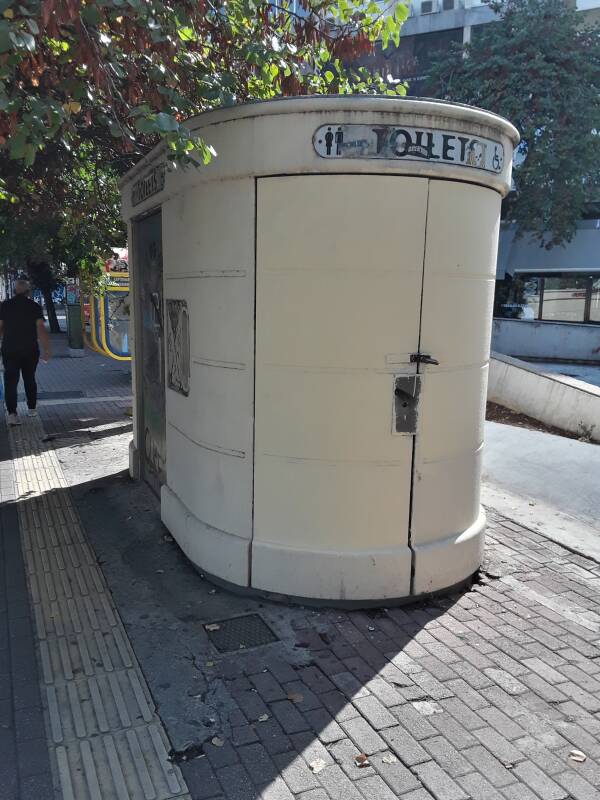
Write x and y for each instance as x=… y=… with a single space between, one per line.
x=414 y=438
x=253 y=448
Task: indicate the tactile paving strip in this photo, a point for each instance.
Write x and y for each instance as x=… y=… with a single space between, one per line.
x=106 y=738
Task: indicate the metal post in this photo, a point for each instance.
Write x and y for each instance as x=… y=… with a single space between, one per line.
x=74 y=331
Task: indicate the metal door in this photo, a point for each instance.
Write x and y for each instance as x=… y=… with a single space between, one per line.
x=338 y=297
x=459 y=277
x=150 y=360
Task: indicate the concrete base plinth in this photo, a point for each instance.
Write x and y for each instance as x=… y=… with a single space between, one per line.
x=212 y=550
x=443 y=563
x=134 y=462
x=357 y=579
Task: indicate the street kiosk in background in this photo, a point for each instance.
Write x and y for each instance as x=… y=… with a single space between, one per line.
x=312 y=329
x=105 y=310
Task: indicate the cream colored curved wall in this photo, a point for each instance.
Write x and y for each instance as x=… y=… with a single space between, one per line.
x=208 y=247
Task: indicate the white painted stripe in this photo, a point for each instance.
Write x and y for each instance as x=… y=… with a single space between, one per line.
x=55 y=723
x=69 y=401
x=140 y=765
x=65 y=659
x=64 y=773
x=90 y=771
x=115 y=768
x=163 y=757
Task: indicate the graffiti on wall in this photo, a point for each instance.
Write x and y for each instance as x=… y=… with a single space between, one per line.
x=153 y=454
x=178 y=347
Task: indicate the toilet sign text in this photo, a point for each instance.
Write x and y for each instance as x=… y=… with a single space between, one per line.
x=411 y=144
x=151 y=183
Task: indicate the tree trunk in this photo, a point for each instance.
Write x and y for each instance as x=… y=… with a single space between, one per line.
x=51 y=311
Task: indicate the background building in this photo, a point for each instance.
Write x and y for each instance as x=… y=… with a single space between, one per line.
x=435 y=25
x=561 y=284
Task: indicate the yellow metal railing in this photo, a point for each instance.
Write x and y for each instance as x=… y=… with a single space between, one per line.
x=99 y=332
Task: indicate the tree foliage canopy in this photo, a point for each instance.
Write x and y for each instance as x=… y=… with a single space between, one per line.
x=539 y=67
x=133 y=70
x=86 y=88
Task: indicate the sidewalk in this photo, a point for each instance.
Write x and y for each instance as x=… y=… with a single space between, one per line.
x=546 y=482
x=483 y=695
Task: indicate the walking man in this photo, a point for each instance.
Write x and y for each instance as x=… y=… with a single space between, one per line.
x=22 y=330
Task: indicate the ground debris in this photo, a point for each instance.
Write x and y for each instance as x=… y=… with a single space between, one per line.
x=188 y=752
x=506 y=416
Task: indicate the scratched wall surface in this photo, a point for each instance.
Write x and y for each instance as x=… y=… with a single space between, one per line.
x=208 y=239
x=336 y=319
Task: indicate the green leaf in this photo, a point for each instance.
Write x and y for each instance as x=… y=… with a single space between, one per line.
x=27 y=41
x=115 y=129
x=145 y=125
x=165 y=122
x=186 y=34
x=6 y=43
x=90 y=14
x=400 y=13
x=18 y=145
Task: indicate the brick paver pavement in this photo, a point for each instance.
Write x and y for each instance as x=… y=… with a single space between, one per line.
x=483 y=695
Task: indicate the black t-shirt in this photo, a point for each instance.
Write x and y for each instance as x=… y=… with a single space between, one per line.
x=20 y=316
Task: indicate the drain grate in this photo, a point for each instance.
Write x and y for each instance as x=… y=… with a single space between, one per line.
x=240 y=633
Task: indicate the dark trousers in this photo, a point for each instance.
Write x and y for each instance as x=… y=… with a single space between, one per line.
x=15 y=365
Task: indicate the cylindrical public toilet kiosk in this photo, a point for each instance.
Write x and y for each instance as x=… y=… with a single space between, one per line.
x=312 y=333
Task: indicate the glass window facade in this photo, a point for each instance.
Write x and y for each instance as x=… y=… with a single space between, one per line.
x=413 y=58
x=555 y=298
x=564 y=299
x=595 y=301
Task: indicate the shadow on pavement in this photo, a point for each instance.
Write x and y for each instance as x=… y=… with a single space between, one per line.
x=336 y=685
x=481 y=695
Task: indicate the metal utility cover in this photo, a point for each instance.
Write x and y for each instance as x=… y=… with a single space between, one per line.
x=407 y=389
x=240 y=633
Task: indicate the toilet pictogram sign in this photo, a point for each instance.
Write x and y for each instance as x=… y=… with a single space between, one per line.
x=410 y=144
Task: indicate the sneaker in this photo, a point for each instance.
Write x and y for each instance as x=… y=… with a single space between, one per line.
x=13 y=419
x=32 y=412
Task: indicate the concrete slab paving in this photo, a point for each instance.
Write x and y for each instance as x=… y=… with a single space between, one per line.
x=587 y=373
x=547 y=482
